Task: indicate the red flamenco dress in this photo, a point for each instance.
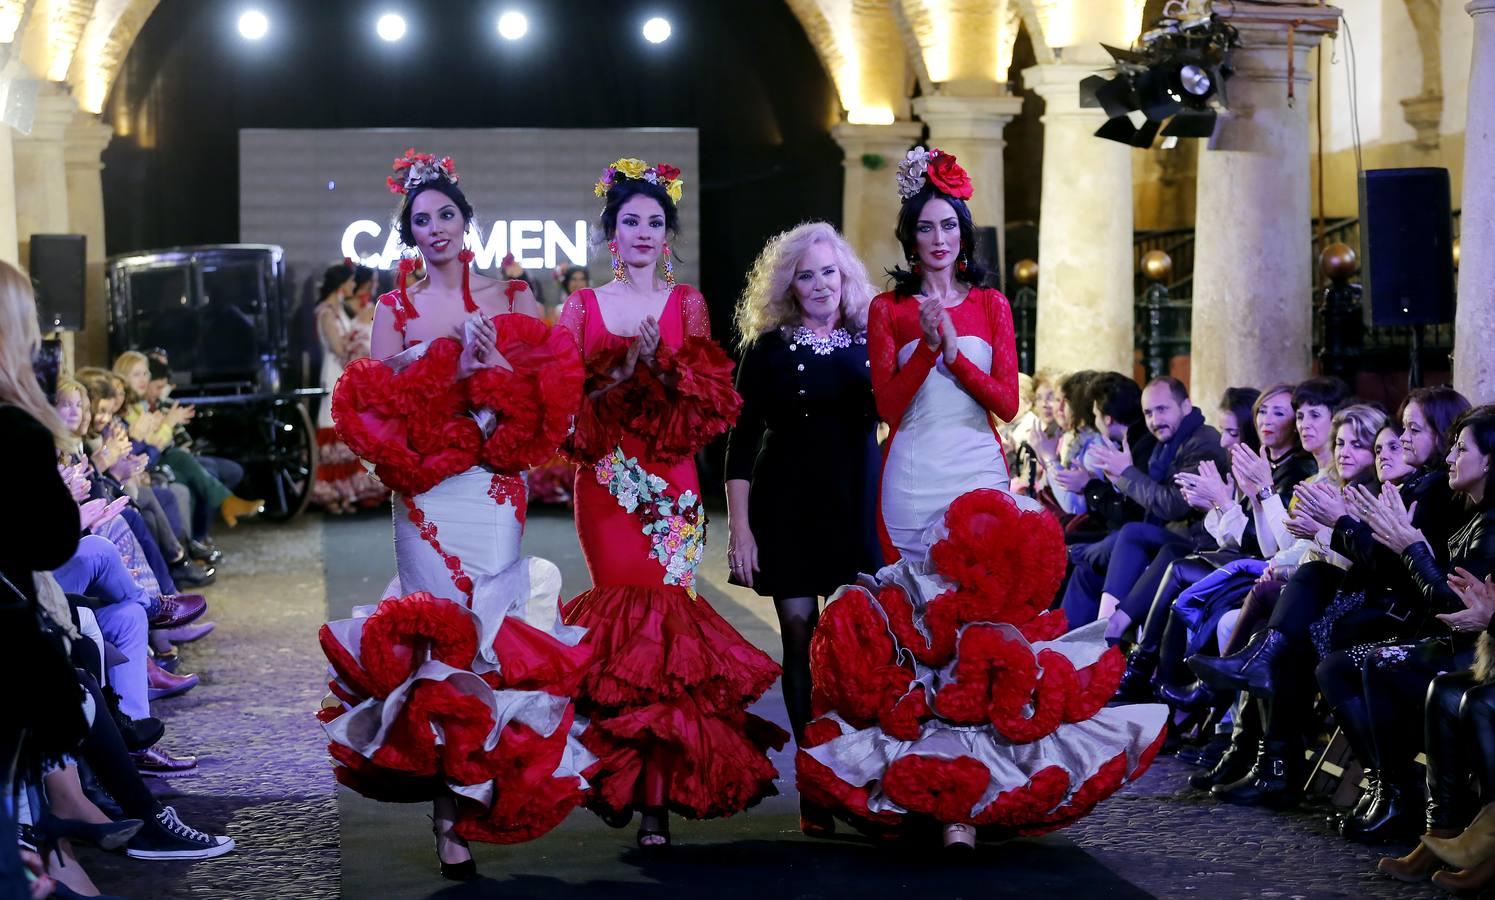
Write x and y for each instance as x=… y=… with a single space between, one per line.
x=460 y=681
x=668 y=690
x=945 y=691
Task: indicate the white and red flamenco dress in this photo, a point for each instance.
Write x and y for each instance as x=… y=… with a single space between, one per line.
x=667 y=693
x=945 y=692
x=460 y=681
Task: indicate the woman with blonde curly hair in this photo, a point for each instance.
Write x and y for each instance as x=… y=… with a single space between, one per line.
x=802 y=461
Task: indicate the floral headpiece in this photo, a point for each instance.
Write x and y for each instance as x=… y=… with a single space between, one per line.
x=415 y=169
x=662 y=174
x=921 y=166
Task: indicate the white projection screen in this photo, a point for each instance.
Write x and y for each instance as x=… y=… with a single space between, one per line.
x=320 y=194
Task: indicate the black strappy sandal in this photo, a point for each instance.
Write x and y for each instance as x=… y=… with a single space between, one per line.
x=657 y=838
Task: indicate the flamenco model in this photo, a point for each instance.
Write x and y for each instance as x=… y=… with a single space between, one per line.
x=456 y=688
x=667 y=691
x=945 y=695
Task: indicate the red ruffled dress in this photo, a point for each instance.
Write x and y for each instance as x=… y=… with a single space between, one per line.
x=667 y=693
x=945 y=692
x=460 y=681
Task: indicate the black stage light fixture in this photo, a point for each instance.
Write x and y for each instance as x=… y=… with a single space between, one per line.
x=1174 y=77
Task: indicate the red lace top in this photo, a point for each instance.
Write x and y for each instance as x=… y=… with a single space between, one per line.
x=893 y=322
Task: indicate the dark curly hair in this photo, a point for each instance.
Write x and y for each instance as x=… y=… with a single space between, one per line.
x=906 y=281
x=452 y=192
x=625 y=189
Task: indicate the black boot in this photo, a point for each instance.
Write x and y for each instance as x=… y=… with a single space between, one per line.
x=1250 y=669
x=1272 y=781
x=1136 y=681
x=138 y=734
x=1395 y=813
x=1338 y=818
x=1232 y=765
x=1189 y=698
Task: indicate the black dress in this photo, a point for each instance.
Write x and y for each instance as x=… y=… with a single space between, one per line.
x=807 y=442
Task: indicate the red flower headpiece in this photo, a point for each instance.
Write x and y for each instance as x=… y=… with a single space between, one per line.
x=923 y=166
x=415 y=169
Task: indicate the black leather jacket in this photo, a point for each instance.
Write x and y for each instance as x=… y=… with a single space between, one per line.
x=1471 y=546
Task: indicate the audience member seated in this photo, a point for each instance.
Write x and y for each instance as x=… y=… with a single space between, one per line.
x=1372 y=688
x=1321 y=610
x=209 y=494
x=1065 y=460
x=1184 y=442
x=1460 y=729
x=1039 y=424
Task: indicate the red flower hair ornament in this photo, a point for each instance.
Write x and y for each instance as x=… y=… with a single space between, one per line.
x=415 y=169
x=932 y=166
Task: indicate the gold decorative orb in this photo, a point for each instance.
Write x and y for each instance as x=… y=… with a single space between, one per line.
x=1338 y=261
x=1025 y=272
x=1157 y=265
x=1455 y=253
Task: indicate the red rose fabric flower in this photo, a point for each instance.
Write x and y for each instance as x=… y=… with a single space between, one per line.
x=948 y=176
x=666 y=173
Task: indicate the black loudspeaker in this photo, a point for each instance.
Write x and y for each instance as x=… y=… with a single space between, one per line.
x=987 y=255
x=59 y=270
x=1406 y=244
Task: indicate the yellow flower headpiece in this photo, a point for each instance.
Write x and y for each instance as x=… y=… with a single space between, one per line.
x=662 y=174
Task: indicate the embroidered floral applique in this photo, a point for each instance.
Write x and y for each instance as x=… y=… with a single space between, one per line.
x=460 y=579
x=674 y=525
x=825 y=345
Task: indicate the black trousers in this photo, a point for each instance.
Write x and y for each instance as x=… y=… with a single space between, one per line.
x=1460 y=739
x=1375 y=689
x=106 y=754
x=1303 y=601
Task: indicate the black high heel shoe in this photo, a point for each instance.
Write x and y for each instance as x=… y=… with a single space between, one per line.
x=654 y=838
x=466 y=870
x=108 y=836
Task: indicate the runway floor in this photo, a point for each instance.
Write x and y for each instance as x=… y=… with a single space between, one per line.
x=264 y=777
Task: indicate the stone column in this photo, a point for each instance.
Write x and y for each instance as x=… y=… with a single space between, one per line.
x=971 y=129
x=41 y=182
x=10 y=250
x=1085 y=231
x=1474 y=350
x=86 y=139
x=1253 y=282
x=870 y=200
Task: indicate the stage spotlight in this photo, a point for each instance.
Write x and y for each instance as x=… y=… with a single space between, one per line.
x=253 y=25
x=390 y=27
x=1166 y=84
x=512 y=25
x=657 y=30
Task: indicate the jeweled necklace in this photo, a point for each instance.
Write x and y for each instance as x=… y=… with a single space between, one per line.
x=823 y=345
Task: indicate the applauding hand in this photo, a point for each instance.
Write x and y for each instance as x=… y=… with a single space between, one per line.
x=1479 y=602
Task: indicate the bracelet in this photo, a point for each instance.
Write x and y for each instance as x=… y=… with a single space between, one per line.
x=1264 y=493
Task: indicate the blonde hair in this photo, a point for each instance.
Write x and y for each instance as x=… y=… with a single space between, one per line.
x=1366 y=422
x=69 y=386
x=769 y=303
x=1048 y=376
x=122 y=366
x=20 y=336
x=1025 y=391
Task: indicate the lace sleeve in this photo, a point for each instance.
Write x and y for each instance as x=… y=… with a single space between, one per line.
x=574 y=317
x=996 y=390
x=893 y=386
x=693 y=311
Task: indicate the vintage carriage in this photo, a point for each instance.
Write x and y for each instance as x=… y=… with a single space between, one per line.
x=223 y=315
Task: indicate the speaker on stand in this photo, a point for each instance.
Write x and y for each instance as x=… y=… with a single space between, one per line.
x=1406 y=243
x=59 y=274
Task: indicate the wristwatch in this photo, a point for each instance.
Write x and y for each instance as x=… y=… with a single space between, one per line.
x=1264 y=493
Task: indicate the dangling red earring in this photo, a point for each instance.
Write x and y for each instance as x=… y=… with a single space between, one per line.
x=669 y=267
x=466 y=257
x=620 y=272
x=407 y=265
x=962 y=266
